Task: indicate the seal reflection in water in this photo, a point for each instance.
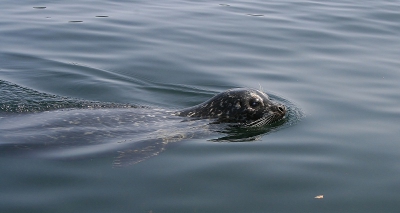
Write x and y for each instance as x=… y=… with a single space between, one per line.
x=247 y=107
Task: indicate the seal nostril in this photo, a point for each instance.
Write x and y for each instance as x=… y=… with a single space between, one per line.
x=282 y=108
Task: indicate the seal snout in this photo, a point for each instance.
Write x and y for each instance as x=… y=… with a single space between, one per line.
x=282 y=109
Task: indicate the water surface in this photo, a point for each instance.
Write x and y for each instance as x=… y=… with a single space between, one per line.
x=337 y=62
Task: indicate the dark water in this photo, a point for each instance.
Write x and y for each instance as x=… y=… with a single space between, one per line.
x=335 y=64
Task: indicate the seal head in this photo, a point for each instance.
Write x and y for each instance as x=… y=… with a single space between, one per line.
x=247 y=107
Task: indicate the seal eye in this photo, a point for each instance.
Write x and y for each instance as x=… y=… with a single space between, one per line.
x=254 y=103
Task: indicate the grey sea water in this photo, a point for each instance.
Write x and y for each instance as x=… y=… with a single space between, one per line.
x=335 y=64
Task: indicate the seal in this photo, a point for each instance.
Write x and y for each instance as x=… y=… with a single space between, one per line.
x=67 y=128
x=244 y=106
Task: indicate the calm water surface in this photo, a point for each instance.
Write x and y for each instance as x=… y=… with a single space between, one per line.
x=336 y=64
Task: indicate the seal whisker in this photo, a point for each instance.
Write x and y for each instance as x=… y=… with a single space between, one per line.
x=260 y=88
x=266 y=120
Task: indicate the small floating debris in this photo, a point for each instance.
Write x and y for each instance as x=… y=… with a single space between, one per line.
x=319 y=197
x=39 y=7
x=101 y=16
x=75 y=21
